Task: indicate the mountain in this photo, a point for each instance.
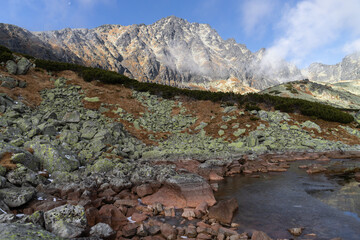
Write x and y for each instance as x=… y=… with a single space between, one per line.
x=170 y=51
x=347 y=69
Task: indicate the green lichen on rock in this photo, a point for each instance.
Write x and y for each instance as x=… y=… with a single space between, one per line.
x=102 y=166
x=92 y=99
x=25 y=231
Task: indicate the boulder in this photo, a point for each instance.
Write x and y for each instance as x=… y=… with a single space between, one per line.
x=67 y=221
x=224 y=210
x=23 y=175
x=15 y=197
x=25 y=231
x=23 y=66
x=102 y=230
x=11 y=67
x=187 y=190
x=258 y=235
x=8 y=82
x=72 y=117
x=4 y=208
x=54 y=158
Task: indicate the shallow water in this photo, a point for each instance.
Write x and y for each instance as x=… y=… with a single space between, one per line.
x=278 y=201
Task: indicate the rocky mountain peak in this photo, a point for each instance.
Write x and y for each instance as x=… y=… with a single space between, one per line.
x=170 y=51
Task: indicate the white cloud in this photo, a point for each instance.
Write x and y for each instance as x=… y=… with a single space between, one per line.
x=255 y=14
x=314 y=24
x=353 y=46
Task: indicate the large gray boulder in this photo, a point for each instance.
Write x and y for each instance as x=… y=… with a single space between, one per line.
x=20 y=155
x=23 y=66
x=66 y=221
x=17 y=196
x=8 y=82
x=54 y=158
x=21 y=231
x=11 y=67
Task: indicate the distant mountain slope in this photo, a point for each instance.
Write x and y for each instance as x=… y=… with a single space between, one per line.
x=316 y=92
x=171 y=51
x=347 y=69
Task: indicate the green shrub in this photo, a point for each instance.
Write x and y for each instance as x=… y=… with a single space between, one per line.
x=250 y=107
x=5 y=56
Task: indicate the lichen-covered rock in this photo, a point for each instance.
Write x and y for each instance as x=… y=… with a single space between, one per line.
x=4 y=209
x=11 y=67
x=23 y=66
x=22 y=175
x=72 y=117
x=8 y=82
x=102 y=166
x=20 y=231
x=15 y=196
x=102 y=230
x=310 y=124
x=54 y=158
x=66 y=221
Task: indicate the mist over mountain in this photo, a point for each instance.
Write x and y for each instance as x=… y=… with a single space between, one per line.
x=170 y=51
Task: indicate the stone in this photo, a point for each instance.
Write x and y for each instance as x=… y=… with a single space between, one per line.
x=186 y=190
x=224 y=210
x=23 y=66
x=139 y=217
x=144 y=190
x=4 y=208
x=72 y=117
x=92 y=99
x=221 y=132
x=67 y=221
x=70 y=137
x=54 y=158
x=310 y=124
x=169 y=212
x=111 y=215
x=17 y=196
x=129 y=230
x=25 y=231
x=168 y=231
x=258 y=235
x=8 y=82
x=102 y=230
x=239 y=132
x=11 y=67
x=190 y=231
x=188 y=213
x=22 y=175
x=296 y=231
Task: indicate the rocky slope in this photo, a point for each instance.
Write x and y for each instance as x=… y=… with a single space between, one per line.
x=347 y=69
x=86 y=159
x=334 y=95
x=171 y=51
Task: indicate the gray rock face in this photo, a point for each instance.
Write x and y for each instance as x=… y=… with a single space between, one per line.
x=8 y=82
x=102 y=230
x=67 y=221
x=15 y=197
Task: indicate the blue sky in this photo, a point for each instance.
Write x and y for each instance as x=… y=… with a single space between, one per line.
x=301 y=31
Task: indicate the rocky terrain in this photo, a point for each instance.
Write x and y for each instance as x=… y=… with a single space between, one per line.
x=90 y=160
x=341 y=94
x=170 y=51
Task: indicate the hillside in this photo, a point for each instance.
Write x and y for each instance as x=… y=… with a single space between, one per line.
x=338 y=95
x=86 y=152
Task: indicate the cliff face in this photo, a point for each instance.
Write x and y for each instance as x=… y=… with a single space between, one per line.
x=171 y=51
x=347 y=69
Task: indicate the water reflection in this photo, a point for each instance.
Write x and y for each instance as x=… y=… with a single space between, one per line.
x=278 y=201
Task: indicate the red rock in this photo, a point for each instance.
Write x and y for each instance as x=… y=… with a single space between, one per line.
x=202 y=207
x=214 y=186
x=92 y=216
x=97 y=202
x=139 y=217
x=124 y=194
x=126 y=202
x=144 y=190
x=315 y=168
x=187 y=190
x=258 y=235
x=203 y=236
x=323 y=158
x=169 y=212
x=168 y=231
x=111 y=215
x=214 y=177
x=276 y=169
x=224 y=210
x=28 y=211
x=107 y=193
x=130 y=211
x=188 y=213
x=166 y=196
x=129 y=230
x=75 y=196
x=48 y=205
